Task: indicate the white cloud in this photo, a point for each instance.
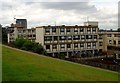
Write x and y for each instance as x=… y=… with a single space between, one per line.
x=62 y=13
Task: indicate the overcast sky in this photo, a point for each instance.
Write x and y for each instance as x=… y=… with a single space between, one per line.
x=68 y=12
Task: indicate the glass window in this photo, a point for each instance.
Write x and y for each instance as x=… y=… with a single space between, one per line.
x=88 y=29
x=75 y=45
x=47 y=46
x=100 y=43
x=55 y=38
x=100 y=36
x=62 y=29
x=69 y=37
x=68 y=45
x=62 y=46
x=62 y=37
x=95 y=36
x=33 y=31
x=76 y=37
x=110 y=41
x=47 y=29
x=67 y=29
x=81 y=44
x=94 y=44
x=54 y=47
x=118 y=42
x=53 y=29
x=109 y=35
x=88 y=36
x=114 y=42
x=82 y=36
x=94 y=29
x=75 y=29
x=81 y=29
x=88 y=44
x=48 y=38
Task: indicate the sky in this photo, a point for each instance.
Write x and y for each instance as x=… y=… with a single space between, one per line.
x=59 y=12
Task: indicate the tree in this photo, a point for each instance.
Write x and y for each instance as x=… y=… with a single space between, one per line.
x=118 y=29
x=19 y=42
x=29 y=46
x=4 y=34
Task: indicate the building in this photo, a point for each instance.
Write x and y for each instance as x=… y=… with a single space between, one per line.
x=21 y=23
x=68 y=40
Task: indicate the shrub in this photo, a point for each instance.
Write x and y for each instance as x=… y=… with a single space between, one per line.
x=29 y=46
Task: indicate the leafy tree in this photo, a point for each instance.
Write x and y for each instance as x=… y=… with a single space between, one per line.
x=19 y=42
x=29 y=45
x=118 y=29
x=4 y=34
x=62 y=56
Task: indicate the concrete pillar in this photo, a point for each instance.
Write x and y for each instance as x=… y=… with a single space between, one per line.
x=8 y=37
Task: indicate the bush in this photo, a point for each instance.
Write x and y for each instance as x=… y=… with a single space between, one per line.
x=29 y=46
x=19 y=42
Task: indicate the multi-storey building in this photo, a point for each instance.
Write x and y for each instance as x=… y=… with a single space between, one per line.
x=22 y=22
x=67 y=40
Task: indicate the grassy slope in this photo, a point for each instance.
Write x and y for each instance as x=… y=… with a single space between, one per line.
x=27 y=67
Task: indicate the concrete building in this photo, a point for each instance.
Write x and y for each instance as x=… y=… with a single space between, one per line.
x=21 y=22
x=68 y=40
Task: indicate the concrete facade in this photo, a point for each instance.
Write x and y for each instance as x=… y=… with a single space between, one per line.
x=69 y=40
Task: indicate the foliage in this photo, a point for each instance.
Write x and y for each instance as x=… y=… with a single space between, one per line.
x=29 y=46
x=118 y=29
x=4 y=35
x=61 y=56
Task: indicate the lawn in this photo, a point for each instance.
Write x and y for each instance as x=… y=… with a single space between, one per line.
x=23 y=66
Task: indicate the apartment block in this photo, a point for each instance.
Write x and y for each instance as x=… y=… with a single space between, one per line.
x=68 y=40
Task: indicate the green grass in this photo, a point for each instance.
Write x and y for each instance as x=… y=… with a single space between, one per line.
x=22 y=66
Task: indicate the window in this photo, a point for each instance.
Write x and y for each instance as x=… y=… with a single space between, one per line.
x=55 y=38
x=94 y=29
x=118 y=42
x=109 y=35
x=69 y=37
x=62 y=46
x=47 y=46
x=100 y=36
x=62 y=29
x=81 y=44
x=54 y=47
x=33 y=31
x=34 y=35
x=75 y=29
x=75 y=45
x=81 y=29
x=67 y=29
x=88 y=36
x=47 y=29
x=116 y=35
x=114 y=42
x=68 y=45
x=48 y=38
x=94 y=44
x=110 y=41
x=53 y=29
x=89 y=29
x=100 y=43
x=76 y=37
x=82 y=36
x=89 y=44
x=62 y=37
x=95 y=36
